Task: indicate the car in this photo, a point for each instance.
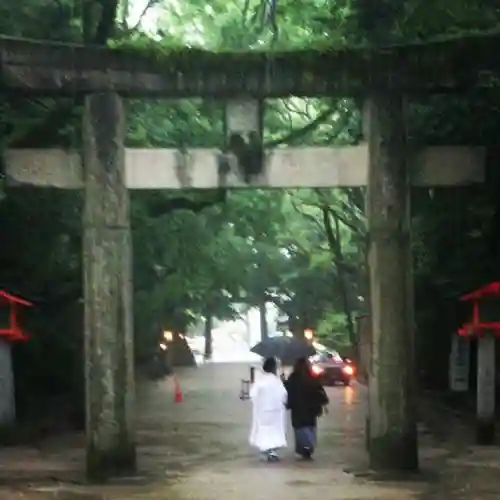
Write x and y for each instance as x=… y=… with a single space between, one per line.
x=330 y=368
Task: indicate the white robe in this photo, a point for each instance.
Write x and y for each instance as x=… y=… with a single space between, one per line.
x=268 y=396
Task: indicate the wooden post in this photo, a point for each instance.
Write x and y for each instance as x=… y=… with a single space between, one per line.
x=392 y=419
x=486 y=390
x=7 y=392
x=458 y=369
x=109 y=376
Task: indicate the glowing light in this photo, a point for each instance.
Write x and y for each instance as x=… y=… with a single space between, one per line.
x=168 y=336
x=317 y=370
x=348 y=370
x=348 y=396
x=308 y=334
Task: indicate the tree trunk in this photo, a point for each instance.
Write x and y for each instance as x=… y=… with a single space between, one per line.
x=264 y=331
x=335 y=245
x=107 y=257
x=208 y=337
x=392 y=426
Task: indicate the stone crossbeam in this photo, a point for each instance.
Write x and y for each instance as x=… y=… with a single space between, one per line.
x=448 y=65
x=284 y=168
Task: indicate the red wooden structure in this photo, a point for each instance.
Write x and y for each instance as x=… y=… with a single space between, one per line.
x=13 y=331
x=485 y=316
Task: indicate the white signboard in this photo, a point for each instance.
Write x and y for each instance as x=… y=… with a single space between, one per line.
x=459 y=364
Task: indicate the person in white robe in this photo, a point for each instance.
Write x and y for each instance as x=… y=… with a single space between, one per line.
x=269 y=398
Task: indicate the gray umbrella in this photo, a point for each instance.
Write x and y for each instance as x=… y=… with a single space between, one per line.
x=284 y=348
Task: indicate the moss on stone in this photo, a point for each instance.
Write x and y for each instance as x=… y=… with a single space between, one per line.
x=117 y=462
x=439 y=49
x=394 y=451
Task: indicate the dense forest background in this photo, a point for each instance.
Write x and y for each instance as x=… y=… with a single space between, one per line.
x=196 y=254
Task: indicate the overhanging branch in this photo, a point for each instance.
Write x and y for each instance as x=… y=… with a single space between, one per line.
x=352 y=225
x=148 y=6
x=302 y=131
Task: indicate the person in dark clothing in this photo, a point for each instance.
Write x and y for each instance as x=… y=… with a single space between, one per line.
x=306 y=402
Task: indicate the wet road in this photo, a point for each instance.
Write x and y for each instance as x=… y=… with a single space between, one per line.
x=217 y=462
x=198 y=449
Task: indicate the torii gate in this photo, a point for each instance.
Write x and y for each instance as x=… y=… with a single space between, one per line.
x=383 y=164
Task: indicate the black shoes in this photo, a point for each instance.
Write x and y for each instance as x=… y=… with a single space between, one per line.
x=306 y=453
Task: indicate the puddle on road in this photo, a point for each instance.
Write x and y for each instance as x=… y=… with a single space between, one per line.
x=300 y=482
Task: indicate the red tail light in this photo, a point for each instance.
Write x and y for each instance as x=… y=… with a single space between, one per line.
x=348 y=370
x=316 y=370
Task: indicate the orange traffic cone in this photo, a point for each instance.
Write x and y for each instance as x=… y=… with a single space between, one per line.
x=177 y=391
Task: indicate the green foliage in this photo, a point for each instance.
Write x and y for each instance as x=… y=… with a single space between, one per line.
x=331 y=330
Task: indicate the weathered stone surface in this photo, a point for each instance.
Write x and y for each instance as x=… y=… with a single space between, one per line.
x=244 y=139
x=287 y=167
x=391 y=429
x=455 y=65
x=108 y=292
x=364 y=336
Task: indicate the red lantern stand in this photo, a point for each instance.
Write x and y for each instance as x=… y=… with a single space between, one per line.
x=484 y=326
x=9 y=333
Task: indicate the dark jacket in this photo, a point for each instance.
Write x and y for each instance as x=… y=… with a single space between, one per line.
x=306 y=398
